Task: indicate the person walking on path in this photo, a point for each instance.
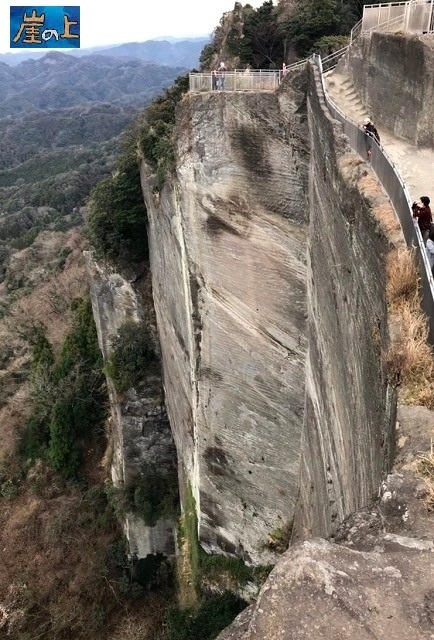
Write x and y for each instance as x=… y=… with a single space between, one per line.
x=371 y=134
x=424 y=216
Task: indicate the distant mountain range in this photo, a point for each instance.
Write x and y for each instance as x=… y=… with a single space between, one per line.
x=58 y=80
x=63 y=120
x=61 y=124
x=170 y=51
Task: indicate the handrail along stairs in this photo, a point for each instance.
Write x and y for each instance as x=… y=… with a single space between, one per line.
x=393 y=184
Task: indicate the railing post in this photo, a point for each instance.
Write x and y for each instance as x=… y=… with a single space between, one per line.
x=429 y=19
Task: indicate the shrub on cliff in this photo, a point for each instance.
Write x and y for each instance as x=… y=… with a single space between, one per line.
x=151 y=495
x=327 y=45
x=154 y=494
x=132 y=356
x=156 y=135
x=116 y=225
x=67 y=393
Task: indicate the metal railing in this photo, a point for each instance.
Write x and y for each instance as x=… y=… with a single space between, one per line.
x=331 y=61
x=356 y=31
x=413 y=16
x=395 y=187
x=242 y=79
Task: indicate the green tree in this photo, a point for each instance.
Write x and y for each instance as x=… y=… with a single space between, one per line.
x=329 y=44
x=63 y=450
x=68 y=396
x=132 y=356
x=116 y=226
x=311 y=22
x=262 y=44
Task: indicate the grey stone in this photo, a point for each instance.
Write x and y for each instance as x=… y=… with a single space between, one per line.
x=227 y=241
x=350 y=411
x=392 y=65
x=321 y=591
x=139 y=428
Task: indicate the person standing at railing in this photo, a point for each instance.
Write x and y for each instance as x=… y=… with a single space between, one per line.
x=214 y=79
x=430 y=249
x=221 y=75
x=424 y=216
x=371 y=134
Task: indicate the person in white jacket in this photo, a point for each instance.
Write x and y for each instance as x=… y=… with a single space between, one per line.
x=430 y=249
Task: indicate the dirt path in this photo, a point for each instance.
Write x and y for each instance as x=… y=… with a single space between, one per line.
x=414 y=164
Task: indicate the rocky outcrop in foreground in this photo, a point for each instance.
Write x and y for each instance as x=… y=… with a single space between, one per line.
x=323 y=591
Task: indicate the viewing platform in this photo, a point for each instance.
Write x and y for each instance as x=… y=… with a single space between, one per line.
x=237 y=80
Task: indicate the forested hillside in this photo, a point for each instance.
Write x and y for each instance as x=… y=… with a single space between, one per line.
x=63 y=564
x=59 y=80
x=265 y=37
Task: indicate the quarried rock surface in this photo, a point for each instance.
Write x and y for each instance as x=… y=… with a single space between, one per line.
x=140 y=431
x=227 y=242
x=322 y=591
x=348 y=438
x=394 y=75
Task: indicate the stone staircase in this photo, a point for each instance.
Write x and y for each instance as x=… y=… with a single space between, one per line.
x=342 y=92
x=415 y=164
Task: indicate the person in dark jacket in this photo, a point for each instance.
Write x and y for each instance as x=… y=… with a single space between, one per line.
x=371 y=134
x=371 y=130
x=423 y=214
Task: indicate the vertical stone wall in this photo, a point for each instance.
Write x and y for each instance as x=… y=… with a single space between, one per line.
x=140 y=431
x=394 y=76
x=227 y=247
x=350 y=409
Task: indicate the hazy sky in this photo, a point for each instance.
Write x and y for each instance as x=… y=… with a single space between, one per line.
x=135 y=21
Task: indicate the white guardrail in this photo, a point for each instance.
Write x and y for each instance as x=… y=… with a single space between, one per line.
x=241 y=79
x=395 y=187
x=413 y=16
x=238 y=80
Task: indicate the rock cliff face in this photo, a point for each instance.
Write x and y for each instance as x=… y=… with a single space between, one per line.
x=389 y=69
x=266 y=435
x=228 y=240
x=227 y=250
x=139 y=430
x=350 y=408
x=321 y=590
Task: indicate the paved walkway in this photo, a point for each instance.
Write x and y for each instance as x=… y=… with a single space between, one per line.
x=415 y=165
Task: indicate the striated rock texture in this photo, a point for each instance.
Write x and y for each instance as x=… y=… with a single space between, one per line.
x=394 y=69
x=140 y=431
x=323 y=591
x=227 y=243
x=350 y=409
